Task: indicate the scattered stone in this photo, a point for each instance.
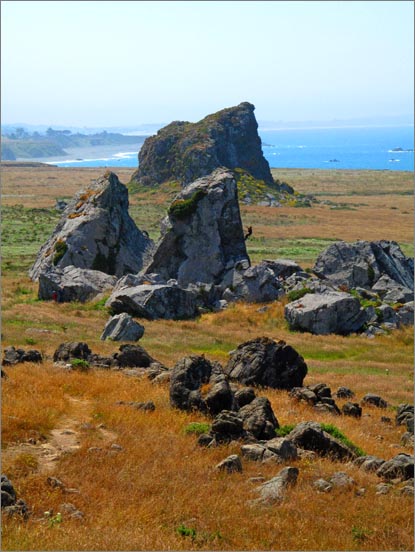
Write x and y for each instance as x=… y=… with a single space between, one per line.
x=275 y=489
x=352 y=409
x=256 y=284
x=94 y=449
x=304 y=394
x=117 y=447
x=71 y=510
x=227 y=426
x=148 y=406
x=322 y=486
x=95 y=232
x=122 y=327
x=325 y=313
x=383 y=489
x=404 y=413
x=342 y=480
x=401 y=466
x=385 y=420
x=230 y=464
x=9 y=505
x=253 y=451
x=405 y=314
x=407 y=439
x=283 y=448
x=374 y=400
x=132 y=356
x=268 y=363
x=13 y=356
x=282 y=268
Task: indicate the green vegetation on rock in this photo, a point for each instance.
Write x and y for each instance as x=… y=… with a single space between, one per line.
x=60 y=249
x=183 y=208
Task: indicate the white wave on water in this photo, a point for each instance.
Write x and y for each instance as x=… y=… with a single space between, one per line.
x=77 y=161
x=125 y=154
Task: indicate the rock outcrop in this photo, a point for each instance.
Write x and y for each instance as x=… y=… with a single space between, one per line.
x=185 y=151
x=268 y=363
x=202 y=236
x=96 y=232
x=362 y=264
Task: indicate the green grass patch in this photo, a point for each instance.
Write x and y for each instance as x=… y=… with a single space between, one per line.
x=183 y=208
x=337 y=434
x=295 y=294
x=197 y=428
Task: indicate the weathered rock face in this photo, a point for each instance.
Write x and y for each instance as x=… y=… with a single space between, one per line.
x=259 y=419
x=96 y=232
x=73 y=284
x=310 y=436
x=257 y=284
x=185 y=151
x=154 y=301
x=263 y=361
x=13 y=356
x=202 y=236
x=361 y=264
x=275 y=489
x=325 y=313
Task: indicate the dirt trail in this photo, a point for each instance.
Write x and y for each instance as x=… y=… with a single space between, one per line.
x=64 y=439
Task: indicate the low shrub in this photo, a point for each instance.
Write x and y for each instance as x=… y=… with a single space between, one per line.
x=284 y=430
x=337 y=434
x=60 y=249
x=197 y=428
x=79 y=364
x=295 y=294
x=183 y=208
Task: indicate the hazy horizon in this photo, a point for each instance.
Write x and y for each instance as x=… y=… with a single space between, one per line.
x=123 y=64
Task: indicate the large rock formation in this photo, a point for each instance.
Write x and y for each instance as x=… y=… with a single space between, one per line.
x=362 y=264
x=202 y=236
x=186 y=151
x=96 y=232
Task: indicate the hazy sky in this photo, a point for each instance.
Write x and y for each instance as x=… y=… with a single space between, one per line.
x=109 y=63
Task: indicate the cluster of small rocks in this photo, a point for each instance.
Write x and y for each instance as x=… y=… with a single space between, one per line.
x=10 y=504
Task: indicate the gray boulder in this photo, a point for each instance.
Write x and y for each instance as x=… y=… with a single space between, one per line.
x=230 y=464
x=322 y=314
x=96 y=232
x=374 y=400
x=391 y=291
x=405 y=415
x=268 y=363
x=257 y=284
x=259 y=419
x=405 y=315
x=310 y=436
x=352 y=409
x=71 y=350
x=361 y=264
x=73 y=284
x=369 y=463
x=226 y=427
x=202 y=237
x=131 y=356
x=275 y=489
x=13 y=356
x=154 y=301
x=282 y=268
x=122 y=327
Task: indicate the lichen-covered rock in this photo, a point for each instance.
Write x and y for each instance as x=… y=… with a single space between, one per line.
x=361 y=264
x=326 y=313
x=96 y=232
x=122 y=327
x=202 y=237
x=73 y=284
x=186 y=151
x=268 y=363
x=230 y=464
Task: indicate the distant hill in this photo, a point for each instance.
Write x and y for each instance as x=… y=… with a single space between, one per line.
x=20 y=144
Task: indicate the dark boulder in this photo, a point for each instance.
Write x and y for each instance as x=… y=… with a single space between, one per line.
x=227 y=426
x=344 y=393
x=8 y=494
x=244 y=396
x=71 y=350
x=268 y=363
x=310 y=436
x=352 y=409
x=402 y=466
x=259 y=419
x=374 y=400
x=132 y=356
x=196 y=383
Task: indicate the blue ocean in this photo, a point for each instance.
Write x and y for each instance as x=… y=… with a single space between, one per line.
x=375 y=148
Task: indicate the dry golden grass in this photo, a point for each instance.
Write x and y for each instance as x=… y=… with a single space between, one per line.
x=137 y=498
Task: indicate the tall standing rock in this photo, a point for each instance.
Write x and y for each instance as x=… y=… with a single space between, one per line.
x=186 y=151
x=96 y=232
x=202 y=236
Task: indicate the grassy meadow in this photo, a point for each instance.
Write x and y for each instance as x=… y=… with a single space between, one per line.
x=160 y=491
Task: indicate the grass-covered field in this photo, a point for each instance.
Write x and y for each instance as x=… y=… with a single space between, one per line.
x=161 y=490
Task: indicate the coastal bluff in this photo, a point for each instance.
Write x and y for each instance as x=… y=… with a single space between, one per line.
x=184 y=151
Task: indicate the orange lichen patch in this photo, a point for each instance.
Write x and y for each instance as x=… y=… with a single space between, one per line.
x=75 y=215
